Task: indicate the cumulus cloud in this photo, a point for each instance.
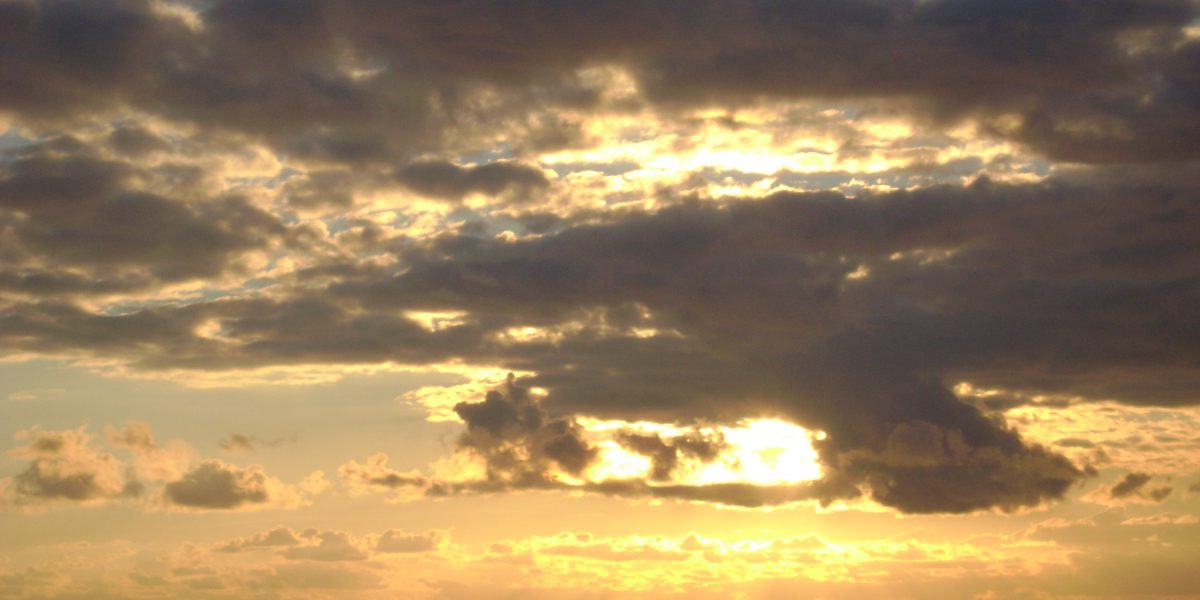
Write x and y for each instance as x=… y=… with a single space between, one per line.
x=65 y=466
x=214 y=484
x=71 y=467
x=518 y=439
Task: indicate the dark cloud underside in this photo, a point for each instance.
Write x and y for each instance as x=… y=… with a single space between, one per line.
x=1107 y=81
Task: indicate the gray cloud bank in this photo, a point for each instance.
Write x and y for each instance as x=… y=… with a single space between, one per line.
x=365 y=82
x=1026 y=287
x=853 y=316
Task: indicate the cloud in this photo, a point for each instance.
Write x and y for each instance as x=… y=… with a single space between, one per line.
x=403 y=542
x=518 y=439
x=1134 y=485
x=70 y=467
x=237 y=442
x=374 y=475
x=1129 y=484
x=328 y=546
x=733 y=309
x=449 y=181
x=214 y=484
x=921 y=469
x=665 y=454
x=852 y=315
x=151 y=461
x=79 y=222
x=325 y=82
x=274 y=538
x=66 y=467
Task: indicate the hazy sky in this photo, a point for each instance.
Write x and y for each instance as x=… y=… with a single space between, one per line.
x=554 y=299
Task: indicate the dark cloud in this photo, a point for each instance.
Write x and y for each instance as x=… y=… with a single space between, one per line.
x=216 y=485
x=665 y=453
x=1160 y=493
x=78 y=223
x=329 y=82
x=135 y=140
x=237 y=442
x=1134 y=484
x=921 y=468
x=60 y=57
x=448 y=181
x=66 y=467
x=327 y=188
x=1060 y=287
x=853 y=316
x=1129 y=484
x=42 y=481
x=518 y=439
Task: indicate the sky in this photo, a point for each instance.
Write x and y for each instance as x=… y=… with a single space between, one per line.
x=565 y=299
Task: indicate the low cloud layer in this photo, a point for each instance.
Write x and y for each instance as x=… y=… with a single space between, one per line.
x=70 y=467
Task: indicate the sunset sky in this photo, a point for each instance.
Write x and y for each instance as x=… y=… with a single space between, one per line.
x=559 y=299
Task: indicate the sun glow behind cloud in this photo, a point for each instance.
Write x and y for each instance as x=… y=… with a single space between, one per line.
x=754 y=451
